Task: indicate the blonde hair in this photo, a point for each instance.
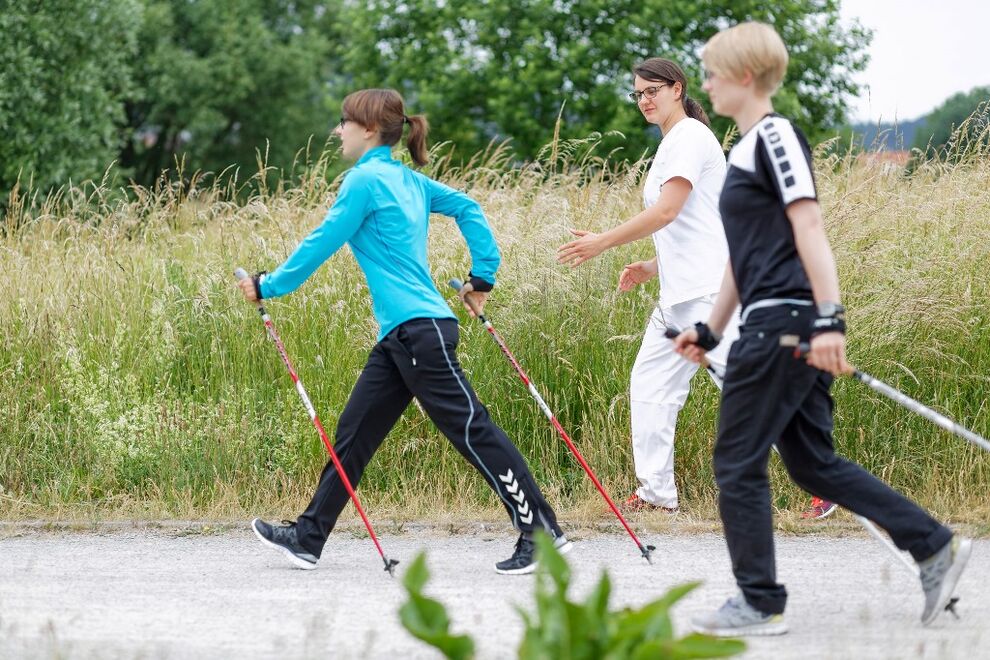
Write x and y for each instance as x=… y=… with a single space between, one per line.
x=754 y=47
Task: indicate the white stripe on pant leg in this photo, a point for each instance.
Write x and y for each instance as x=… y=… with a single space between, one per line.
x=467 y=429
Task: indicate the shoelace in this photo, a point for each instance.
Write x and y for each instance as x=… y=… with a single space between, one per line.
x=817 y=502
x=283 y=532
x=519 y=546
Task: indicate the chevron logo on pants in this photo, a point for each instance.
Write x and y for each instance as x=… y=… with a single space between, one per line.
x=516 y=493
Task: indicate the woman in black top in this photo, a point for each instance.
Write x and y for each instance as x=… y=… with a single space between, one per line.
x=782 y=271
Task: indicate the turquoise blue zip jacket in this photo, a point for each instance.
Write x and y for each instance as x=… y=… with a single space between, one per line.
x=382 y=212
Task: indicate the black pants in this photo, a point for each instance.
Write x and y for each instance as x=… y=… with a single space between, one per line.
x=418 y=359
x=771 y=397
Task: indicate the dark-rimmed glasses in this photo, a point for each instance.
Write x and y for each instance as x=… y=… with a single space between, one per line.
x=649 y=92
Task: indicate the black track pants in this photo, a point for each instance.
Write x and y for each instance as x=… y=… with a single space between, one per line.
x=771 y=397
x=418 y=359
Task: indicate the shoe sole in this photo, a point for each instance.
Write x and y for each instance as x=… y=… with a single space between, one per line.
x=823 y=515
x=298 y=561
x=757 y=630
x=951 y=578
x=526 y=570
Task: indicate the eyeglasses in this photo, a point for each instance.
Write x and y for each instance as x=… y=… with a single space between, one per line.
x=649 y=92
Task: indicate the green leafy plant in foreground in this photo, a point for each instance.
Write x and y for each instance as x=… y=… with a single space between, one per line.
x=426 y=618
x=563 y=629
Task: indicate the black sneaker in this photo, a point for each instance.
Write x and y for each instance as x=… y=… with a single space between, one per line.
x=284 y=538
x=523 y=560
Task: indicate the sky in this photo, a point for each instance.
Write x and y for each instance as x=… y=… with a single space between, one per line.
x=923 y=51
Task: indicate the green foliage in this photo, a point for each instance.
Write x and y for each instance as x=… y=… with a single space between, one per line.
x=497 y=70
x=64 y=73
x=426 y=619
x=562 y=629
x=188 y=86
x=942 y=126
x=217 y=82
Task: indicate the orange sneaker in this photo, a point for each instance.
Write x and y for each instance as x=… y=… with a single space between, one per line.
x=636 y=503
x=820 y=509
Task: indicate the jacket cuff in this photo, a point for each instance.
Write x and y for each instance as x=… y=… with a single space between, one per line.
x=479 y=284
x=257 y=283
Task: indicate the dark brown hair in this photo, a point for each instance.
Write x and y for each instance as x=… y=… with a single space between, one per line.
x=383 y=110
x=659 y=69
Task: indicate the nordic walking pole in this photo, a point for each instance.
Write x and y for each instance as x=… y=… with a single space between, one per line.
x=645 y=550
x=241 y=274
x=801 y=349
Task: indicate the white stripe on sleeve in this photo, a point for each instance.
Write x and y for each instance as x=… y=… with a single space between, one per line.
x=790 y=164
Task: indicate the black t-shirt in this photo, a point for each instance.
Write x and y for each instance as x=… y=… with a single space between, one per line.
x=769 y=168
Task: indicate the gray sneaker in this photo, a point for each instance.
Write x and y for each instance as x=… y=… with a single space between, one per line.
x=737 y=617
x=285 y=539
x=939 y=575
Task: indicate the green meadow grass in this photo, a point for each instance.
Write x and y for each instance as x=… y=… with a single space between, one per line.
x=136 y=382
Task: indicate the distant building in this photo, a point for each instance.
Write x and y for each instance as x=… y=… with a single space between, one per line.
x=887 y=160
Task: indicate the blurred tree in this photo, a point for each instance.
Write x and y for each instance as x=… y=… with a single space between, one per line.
x=494 y=70
x=217 y=80
x=64 y=72
x=212 y=82
x=943 y=120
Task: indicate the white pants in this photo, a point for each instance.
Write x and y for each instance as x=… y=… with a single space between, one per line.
x=658 y=388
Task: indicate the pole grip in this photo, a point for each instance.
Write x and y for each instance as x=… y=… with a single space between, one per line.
x=457 y=285
x=242 y=275
x=671 y=333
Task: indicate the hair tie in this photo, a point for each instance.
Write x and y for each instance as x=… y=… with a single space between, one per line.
x=405 y=119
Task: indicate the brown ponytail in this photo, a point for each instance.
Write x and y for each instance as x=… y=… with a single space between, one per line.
x=383 y=110
x=659 y=69
x=416 y=142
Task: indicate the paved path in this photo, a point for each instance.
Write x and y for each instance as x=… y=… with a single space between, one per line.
x=143 y=592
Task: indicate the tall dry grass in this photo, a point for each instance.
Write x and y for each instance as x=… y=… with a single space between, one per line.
x=136 y=382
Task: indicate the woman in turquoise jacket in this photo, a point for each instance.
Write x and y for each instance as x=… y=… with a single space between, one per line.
x=382 y=212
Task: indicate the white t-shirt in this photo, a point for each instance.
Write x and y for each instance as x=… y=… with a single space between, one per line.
x=691 y=250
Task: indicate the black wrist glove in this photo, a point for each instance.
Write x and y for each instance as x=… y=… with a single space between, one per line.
x=479 y=285
x=256 y=278
x=706 y=338
x=831 y=318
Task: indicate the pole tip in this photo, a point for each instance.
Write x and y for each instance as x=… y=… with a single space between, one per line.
x=390 y=565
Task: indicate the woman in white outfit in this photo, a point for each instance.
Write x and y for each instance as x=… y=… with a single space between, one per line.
x=680 y=202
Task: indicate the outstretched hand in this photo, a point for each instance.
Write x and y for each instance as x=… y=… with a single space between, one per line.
x=587 y=246
x=637 y=273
